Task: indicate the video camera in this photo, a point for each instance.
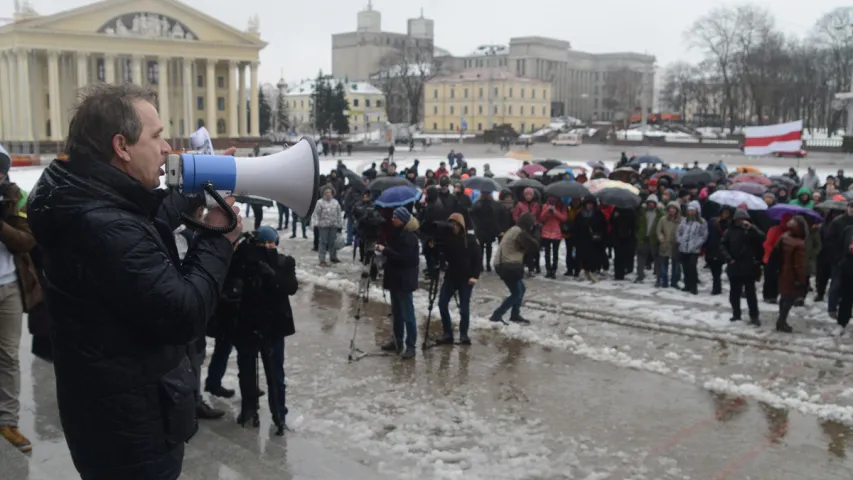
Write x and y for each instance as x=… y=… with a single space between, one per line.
x=368 y=225
x=439 y=232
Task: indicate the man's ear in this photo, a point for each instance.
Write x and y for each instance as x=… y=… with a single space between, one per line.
x=120 y=148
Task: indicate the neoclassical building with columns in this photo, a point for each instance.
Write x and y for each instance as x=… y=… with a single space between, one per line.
x=199 y=66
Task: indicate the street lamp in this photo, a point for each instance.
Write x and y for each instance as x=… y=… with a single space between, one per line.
x=491 y=51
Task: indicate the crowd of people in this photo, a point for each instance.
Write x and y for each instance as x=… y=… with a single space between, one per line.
x=674 y=230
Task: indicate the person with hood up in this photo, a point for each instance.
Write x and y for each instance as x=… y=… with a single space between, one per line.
x=740 y=249
x=528 y=204
x=647 y=239
x=370 y=173
x=486 y=214
x=810 y=180
x=517 y=243
x=463 y=271
x=402 y=259
x=717 y=227
x=487 y=171
x=552 y=217
x=667 y=231
x=792 y=271
x=804 y=198
x=691 y=236
x=589 y=232
x=771 y=263
x=327 y=219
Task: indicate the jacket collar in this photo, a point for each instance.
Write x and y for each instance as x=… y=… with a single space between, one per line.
x=120 y=184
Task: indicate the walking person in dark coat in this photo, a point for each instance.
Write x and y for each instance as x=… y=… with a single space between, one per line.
x=717 y=227
x=463 y=271
x=123 y=305
x=741 y=250
x=623 y=235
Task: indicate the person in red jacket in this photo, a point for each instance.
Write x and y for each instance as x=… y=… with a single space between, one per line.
x=770 y=291
x=529 y=204
x=554 y=215
x=442 y=171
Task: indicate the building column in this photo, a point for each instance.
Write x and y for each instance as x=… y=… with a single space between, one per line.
x=109 y=68
x=241 y=100
x=137 y=61
x=210 y=86
x=189 y=104
x=82 y=69
x=233 y=104
x=11 y=78
x=25 y=111
x=163 y=94
x=54 y=105
x=6 y=98
x=254 y=103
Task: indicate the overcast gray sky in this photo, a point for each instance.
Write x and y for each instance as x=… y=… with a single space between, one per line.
x=299 y=32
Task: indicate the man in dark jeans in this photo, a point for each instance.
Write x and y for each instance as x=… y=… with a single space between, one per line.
x=462 y=253
x=516 y=243
x=401 y=251
x=741 y=249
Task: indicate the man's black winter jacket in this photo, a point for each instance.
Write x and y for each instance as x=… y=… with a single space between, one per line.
x=124 y=308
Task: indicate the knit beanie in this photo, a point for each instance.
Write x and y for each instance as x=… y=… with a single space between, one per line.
x=403 y=214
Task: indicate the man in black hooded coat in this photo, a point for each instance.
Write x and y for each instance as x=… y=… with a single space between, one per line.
x=123 y=305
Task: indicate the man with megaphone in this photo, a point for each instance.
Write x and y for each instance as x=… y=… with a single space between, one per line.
x=123 y=305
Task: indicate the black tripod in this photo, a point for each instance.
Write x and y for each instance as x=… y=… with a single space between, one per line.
x=362 y=297
x=434 y=283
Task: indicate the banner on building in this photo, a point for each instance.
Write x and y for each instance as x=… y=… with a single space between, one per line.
x=768 y=139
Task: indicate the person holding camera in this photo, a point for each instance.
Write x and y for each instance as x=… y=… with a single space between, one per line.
x=264 y=318
x=462 y=253
x=517 y=243
x=402 y=259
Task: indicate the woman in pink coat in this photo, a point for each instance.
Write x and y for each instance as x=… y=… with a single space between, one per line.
x=552 y=217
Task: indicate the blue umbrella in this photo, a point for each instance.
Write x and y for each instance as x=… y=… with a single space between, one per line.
x=398 y=196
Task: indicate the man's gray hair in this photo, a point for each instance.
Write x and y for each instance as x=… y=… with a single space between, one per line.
x=102 y=112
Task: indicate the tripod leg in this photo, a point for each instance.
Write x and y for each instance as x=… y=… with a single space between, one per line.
x=433 y=290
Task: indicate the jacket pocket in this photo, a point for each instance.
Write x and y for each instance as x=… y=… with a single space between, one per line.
x=177 y=399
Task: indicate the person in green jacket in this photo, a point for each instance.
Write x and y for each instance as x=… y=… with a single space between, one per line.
x=647 y=239
x=804 y=198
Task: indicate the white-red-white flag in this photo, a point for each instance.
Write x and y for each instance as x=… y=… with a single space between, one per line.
x=782 y=137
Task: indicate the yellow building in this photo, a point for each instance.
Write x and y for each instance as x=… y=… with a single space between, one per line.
x=197 y=64
x=477 y=100
x=366 y=105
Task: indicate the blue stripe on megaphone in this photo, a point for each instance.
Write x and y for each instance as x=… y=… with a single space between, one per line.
x=220 y=170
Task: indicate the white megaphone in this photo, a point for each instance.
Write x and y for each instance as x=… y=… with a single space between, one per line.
x=290 y=177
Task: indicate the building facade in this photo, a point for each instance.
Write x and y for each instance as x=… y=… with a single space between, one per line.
x=198 y=65
x=359 y=55
x=477 y=100
x=366 y=105
x=579 y=79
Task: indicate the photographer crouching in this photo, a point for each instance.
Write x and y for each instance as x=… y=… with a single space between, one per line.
x=461 y=252
x=265 y=279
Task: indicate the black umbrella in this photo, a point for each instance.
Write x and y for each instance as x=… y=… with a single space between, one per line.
x=502 y=180
x=549 y=163
x=832 y=205
x=645 y=159
x=384 y=183
x=566 y=188
x=355 y=180
x=618 y=197
x=253 y=200
x=696 y=176
x=623 y=174
x=483 y=184
x=783 y=179
x=526 y=182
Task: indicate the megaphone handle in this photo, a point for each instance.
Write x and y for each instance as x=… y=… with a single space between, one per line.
x=232 y=217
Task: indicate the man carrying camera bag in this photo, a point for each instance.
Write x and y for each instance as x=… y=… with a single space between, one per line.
x=516 y=243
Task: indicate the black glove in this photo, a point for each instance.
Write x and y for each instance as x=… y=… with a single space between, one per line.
x=265 y=269
x=287 y=263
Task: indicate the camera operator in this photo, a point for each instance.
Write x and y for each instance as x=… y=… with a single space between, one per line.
x=435 y=210
x=366 y=226
x=402 y=259
x=264 y=318
x=462 y=254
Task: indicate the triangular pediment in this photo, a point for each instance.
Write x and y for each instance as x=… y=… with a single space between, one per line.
x=143 y=19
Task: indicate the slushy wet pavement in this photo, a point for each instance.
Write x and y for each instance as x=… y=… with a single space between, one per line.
x=571 y=396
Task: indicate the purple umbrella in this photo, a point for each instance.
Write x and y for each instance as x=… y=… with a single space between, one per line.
x=751 y=188
x=776 y=212
x=598 y=164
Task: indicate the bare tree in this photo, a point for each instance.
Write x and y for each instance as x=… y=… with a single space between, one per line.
x=678 y=85
x=622 y=91
x=404 y=74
